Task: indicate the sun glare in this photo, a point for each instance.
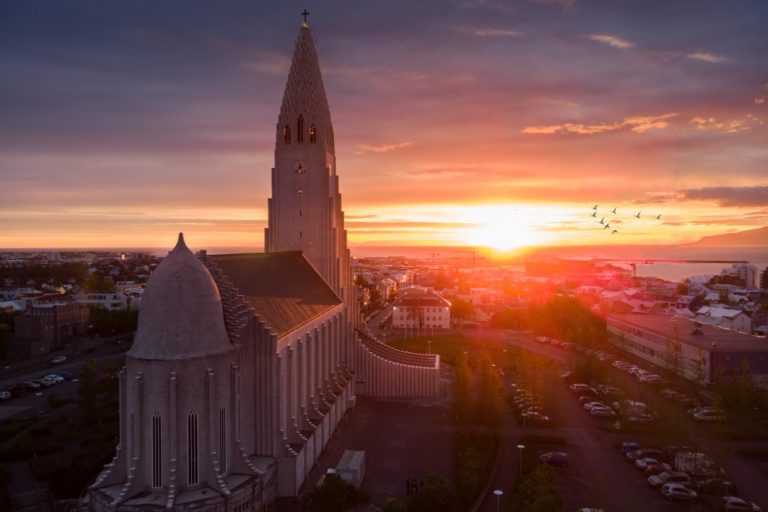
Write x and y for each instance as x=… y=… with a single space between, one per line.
x=502 y=228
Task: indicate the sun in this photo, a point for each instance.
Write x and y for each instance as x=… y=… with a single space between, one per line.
x=502 y=228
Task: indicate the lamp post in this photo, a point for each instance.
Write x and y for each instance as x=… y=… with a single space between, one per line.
x=498 y=493
x=429 y=346
x=520 y=448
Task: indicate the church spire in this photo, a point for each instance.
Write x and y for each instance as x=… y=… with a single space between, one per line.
x=304 y=91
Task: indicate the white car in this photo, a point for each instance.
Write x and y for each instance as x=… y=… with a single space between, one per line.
x=58 y=359
x=710 y=416
x=643 y=463
x=734 y=504
x=55 y=378
x=669 y=477
x=678 y=492
x=589 y=405
x=602 y=412
x=650 y=378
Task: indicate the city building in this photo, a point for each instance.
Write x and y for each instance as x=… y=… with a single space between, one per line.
x=104 y=300
x=421 y=309
x=243 y=365
x=697 y=351
x=727 y=318
x=46 y=326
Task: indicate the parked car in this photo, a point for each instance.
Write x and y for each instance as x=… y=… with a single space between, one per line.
x=602 y=412
x=585 y=399
x=736 y=504
x=710 y=416
x=32 y=385
x=58 y=359
x=716 y=486
x=535 y=418
x=695 y=410
x=589 y=405
x=559 y=459
x=644 y=453
x=5 y=395
x=66 y=375
x=629 y=446
x=644 y=462
x=655 y=469
x=678 y=492
x=578 y=386
x=668 y=477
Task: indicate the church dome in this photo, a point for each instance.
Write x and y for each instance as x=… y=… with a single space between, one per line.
x=180 y=316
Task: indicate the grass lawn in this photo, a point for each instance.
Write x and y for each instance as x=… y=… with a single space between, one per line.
x=449 y=345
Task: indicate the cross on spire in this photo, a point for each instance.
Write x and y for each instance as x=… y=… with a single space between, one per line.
x=305 y=14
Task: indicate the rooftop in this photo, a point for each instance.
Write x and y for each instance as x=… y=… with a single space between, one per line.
x=694 y=333
x=283 y=288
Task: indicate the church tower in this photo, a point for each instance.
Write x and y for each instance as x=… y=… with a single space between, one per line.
x=305 y=208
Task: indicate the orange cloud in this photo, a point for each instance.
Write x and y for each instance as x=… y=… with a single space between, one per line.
x=725 y=126
x=637 y=124
x=381 y=148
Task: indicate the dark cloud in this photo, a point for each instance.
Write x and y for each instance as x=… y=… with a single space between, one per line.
x=729 y=196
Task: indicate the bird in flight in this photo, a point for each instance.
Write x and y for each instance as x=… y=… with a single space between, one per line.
x=614 y=231
x=638 y=215
x=594 y=207
x=658 y=217
x=594 y=214
x=606 y=226
x=602 y=221
x=613 y=211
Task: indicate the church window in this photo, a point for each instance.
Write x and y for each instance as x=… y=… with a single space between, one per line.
x=222 y=439
x=287 y=134
x=157 y=451
x=299 y=234
x=312 y=134
x=299 y=213
x=300 y=130
x=192 y=475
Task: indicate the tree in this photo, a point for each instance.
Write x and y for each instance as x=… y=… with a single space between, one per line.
x=335 y=495
x=433 y=495
x=393 y=505
x=462 y=309
x=99 y=283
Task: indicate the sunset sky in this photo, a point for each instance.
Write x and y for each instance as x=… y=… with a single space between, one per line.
x=456 y=122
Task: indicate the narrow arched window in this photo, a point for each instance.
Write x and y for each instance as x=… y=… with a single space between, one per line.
x=312 y=134
x=287 y=134
x=157 y=451
x=192 y=477
x=300 y=130
x=223 y=439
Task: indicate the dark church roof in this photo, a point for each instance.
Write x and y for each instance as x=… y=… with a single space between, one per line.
x=283 y=288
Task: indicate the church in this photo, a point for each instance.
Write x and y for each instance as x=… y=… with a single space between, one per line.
x=243 y=365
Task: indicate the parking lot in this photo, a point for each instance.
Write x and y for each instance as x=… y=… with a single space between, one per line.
x=598 y=474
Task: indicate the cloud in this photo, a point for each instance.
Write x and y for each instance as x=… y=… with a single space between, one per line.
x=729 y=196
x=725 y=126
x=707 y=57
x=381 y=148
x=487 y=32
x=611 y=40
x=760 y=100
x=467 y=171
x=637 y=124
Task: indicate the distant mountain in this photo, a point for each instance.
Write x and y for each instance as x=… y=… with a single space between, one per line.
x=750 y=238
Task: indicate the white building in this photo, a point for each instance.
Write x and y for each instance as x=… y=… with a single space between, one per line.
x=733 y=319
x=110 y=301
x=421 y=310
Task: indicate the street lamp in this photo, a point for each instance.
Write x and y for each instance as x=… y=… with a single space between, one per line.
x=429 y=346
x=498 y=493
x=521 y=447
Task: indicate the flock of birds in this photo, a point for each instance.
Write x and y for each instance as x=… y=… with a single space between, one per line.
x=607 y=224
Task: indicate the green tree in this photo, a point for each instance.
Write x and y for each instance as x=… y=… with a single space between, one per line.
x=334 y=496
x=433 y=496
x=462 y=309
x=393 y=505
x=99 y=283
